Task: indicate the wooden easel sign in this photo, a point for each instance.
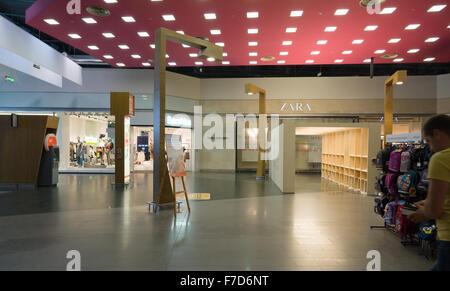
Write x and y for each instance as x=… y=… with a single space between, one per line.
x=177 y=168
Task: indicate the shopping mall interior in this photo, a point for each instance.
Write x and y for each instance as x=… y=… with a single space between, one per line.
x=214 y=135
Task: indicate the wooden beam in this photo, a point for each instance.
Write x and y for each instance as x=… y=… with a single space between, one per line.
x=162 y=189
x=398 y=78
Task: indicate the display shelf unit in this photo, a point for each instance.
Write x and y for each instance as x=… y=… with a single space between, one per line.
x=345 y=158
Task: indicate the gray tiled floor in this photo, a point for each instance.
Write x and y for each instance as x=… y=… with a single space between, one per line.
x=319 y=228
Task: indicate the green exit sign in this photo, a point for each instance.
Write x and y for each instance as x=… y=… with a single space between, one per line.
x=10 y=79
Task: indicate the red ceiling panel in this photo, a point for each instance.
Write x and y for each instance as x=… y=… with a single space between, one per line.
x=274 y=18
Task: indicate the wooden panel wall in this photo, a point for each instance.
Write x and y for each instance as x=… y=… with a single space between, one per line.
x=21 y=148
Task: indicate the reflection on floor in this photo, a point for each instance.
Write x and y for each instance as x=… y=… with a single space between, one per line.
x=249 y=225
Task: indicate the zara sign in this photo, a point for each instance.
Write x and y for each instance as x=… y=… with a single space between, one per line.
x=295 y=107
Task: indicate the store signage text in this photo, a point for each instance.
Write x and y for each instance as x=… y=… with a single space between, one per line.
x=296 y=107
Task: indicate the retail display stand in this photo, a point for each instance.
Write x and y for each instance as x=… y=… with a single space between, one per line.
x=345 y=158
x=176 y=204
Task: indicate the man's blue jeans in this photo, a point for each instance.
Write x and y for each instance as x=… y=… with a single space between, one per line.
x=443 y=261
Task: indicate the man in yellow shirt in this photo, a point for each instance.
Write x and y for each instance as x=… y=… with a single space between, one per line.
x=437 y=205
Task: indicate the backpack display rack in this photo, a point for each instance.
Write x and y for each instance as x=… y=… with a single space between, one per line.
x=403 y=181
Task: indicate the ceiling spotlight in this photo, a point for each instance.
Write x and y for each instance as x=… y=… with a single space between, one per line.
x=98 y=11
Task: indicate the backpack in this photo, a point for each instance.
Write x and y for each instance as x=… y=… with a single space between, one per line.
x=389 y=213
x=380 y=205
x=408 y=182
x=420 y=158
x=427 y=231
x=395 y=161
x=405 y=163
x=391 y=184
x=382 y=160
x=380 y=184
x=403 y=225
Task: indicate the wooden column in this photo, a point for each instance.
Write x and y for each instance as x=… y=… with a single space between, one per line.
x=398 y=78
x=122 y=106
x=262 y=123
x=162 y=189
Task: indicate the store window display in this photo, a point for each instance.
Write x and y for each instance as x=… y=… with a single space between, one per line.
x=143 y=146
x=89 y=138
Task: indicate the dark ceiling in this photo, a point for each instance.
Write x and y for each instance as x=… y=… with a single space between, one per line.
x=15 y=11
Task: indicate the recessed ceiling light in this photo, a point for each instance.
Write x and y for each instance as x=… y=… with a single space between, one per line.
x=367 y=61
x=93 y=47
x=315 y=53
x=429 y=59
x=284 y=53
x=108 y=57
x=395 y=40
x=281 y=62
x=146 y=64
x=128 y=19
x=322 y=42
x=253 y=62
x=448 y=27
x=291 y=29
x=180 y=32
x=252 y=14
x=167 y=56
x=358 y=41
x=193 y=55
x=225 y=54
x=172 y=64
x=339 y=61
x=108 y=35
x=225 y=63
x=120 y=64
x=413 y=51
x=210 y=59
x=51 y=21
x=186 y=46
x=136 y=56
x=437 y=8
x=432 y=39
x=216 y=32
x=111 y=1
x=371 y=28
x=253 y=43
x=221 y=44
x=210 y=16
x=199 y=63
x=124 y=47
x=74 y=35
x=253 y=31
x=152 y=46
x=341 y=12
x=253 y=54
x=347 y=52
x=398 y=60
x=330 y=28
x=309 y=61
x=380 y=51
x=412 y=26
x=89 y=20
x=143 y=34
x=287 y=42
x=388 y=10
x=168 y=17
x=296 y=13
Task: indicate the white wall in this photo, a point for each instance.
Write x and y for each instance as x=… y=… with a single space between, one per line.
x=282 y=168
x=443 y=86
x=417 y=87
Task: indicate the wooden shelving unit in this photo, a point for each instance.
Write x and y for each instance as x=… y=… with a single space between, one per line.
x=345 y=158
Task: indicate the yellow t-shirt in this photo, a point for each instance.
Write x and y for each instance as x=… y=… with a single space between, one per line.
x=439 y=169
